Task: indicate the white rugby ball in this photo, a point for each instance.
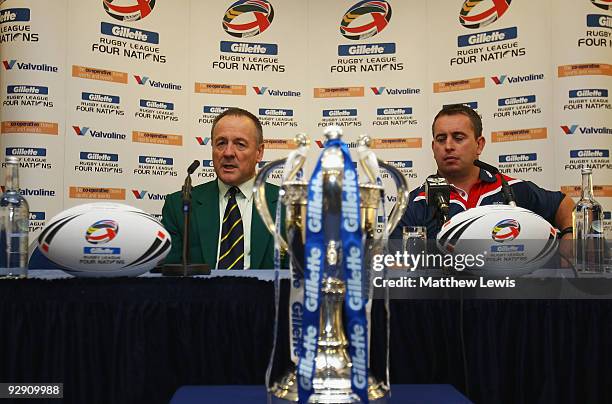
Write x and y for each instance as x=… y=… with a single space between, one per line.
x=513 y=240
x=104 y=240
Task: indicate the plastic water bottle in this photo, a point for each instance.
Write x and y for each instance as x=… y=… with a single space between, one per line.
x=14 y=225
x=587 y=220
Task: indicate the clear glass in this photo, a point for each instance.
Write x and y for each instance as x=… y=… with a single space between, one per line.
x=14 y=225
x=587 y=220
x=414 y=239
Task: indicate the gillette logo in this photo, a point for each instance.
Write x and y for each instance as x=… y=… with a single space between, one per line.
x=26 y=151
x=248 y=48
x=589 y=93
x=275 y=112
x=369 y=49
x=111 y=99
x=516 y=79
x=487 y=37
x=102 y=250
x=327 y=113
x=394 y=111
x=517 y=158
x=590 y=153
x=164 y=161
x=129 y=33
x=507 y=248
x=526 y=99
x=208 y=109
x=15 y=15
x=99 y=156
x=27 y=89
x=599 y=21
x=37 y=215
x=400 y=163
x=207 y=164
x=157 y=105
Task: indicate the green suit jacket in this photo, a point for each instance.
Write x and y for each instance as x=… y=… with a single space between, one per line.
x=204 y=227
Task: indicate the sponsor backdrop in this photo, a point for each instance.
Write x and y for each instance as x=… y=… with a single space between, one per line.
x=113 y=99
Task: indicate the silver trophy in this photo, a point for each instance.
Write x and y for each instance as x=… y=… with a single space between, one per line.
x=332 y=374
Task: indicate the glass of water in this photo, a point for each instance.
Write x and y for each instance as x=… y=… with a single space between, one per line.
x=414 y=239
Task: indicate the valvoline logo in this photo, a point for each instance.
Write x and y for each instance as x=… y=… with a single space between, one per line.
x=80 y=131
x=476 y=14
x=365 y=19
x=260 y=90
x=26 y=151
x=128 y=10
x=102 y=231
x=42 y=67
x=144 y=194
x=202 y=141
x=569 y=130
x=14 y=15
x=253 y=18
x=276 y=93
x=395 y=91
x=516 y=79
x=517 y=158
x=142 y=80
x=506 y=230
x=603 y=4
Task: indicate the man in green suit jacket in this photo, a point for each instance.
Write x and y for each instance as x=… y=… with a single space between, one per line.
x=237 y=142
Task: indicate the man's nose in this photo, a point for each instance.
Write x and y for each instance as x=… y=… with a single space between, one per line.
x=449 y=144
x=229 y=150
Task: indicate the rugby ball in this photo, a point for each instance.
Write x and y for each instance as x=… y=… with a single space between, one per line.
x=512 y=240
x=104 y=240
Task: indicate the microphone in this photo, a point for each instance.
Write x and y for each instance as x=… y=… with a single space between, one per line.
x=437 y=192
x=191 y=169
x=506 y=189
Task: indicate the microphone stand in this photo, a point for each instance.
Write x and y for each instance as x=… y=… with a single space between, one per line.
x=185 y=268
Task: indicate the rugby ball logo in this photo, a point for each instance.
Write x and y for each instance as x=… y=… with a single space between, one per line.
x=477 y=14
x=603 y=4
x=506 y=230
x=102 y=232
x=246 y=18
x=128 y=10
x=365 y=19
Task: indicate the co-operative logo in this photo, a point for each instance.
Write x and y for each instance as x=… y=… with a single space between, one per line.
x=102 y=231
x=258 y=14
x=506 y=230
x=474 y=17
x=352 y=26
x=603 y=4
x=128 y=10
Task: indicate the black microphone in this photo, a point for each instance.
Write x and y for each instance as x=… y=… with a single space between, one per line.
x=506 y=189
x=437 y=192
x=191 y=169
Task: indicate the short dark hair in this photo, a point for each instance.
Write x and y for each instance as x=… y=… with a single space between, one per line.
x=461 y=109
x=235 y=111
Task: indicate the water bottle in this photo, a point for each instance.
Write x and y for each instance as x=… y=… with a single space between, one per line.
x=14 y=225
x=587 y=220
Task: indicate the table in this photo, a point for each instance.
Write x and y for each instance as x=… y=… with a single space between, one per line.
x=135 y=340
x=401 y=394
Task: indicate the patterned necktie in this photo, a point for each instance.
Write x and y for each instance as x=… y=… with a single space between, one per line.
x=231 y=253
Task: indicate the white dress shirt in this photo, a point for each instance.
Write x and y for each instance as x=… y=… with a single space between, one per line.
x=244 y=199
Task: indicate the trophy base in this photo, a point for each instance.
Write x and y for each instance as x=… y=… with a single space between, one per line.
x=185 y=270
x=326 y=391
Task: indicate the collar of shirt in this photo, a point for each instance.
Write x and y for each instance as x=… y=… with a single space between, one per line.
x=486 y=183
x=246 y=189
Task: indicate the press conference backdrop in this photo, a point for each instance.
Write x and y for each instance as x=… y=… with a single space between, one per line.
x=111 y=100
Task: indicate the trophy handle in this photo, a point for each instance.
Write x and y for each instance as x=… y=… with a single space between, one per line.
x=259 y=188
x=402 y=196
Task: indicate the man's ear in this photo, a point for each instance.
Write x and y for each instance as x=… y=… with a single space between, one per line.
x=260 y=151
x=481 y=144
